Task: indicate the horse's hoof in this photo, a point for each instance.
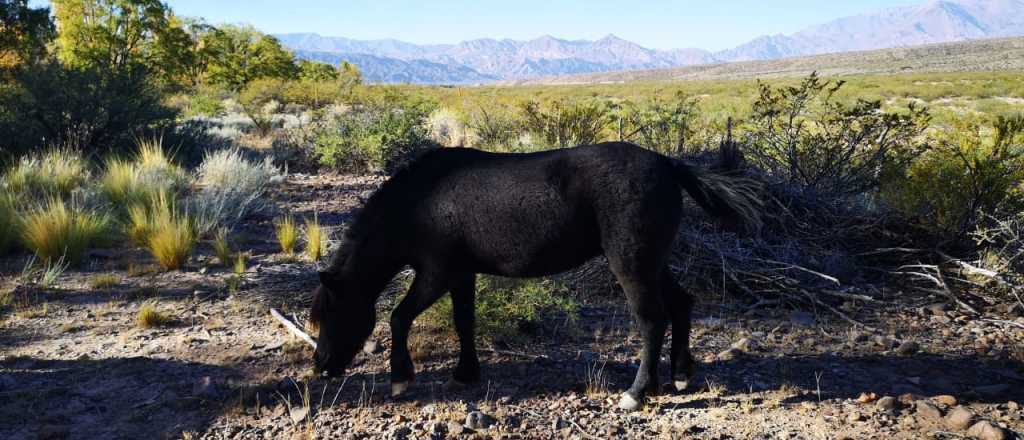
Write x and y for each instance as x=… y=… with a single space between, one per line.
x=628 y=403
x=454 y=385
x=681 y=385
x=399 y=388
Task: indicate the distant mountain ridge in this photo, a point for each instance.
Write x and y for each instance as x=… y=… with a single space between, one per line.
x=485 y=60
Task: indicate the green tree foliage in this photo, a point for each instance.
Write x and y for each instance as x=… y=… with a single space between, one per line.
x=972 y=171
x=317 y=71
x=802 y=135
x=122 y=36
x=240 y=54
x=24 y=34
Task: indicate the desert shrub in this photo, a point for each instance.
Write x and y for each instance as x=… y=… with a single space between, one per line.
x=565 y=123
x=205 y=101
x=316 y=240
x=171 y=233
x=1002 y=244
x=150 y=317
x=971 y=171
x=10 y=228
x=383 y=133
x=232 y=187
x=260 y=100
x=508 y=309
x=496 y=128
x=287 y=234
x=662 y=125
x=56 y=229
x=445 y=128
x=55 y=172
x=803 y=136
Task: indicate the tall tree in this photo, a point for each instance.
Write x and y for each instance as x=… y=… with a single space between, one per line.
x=241 y=54
x=24 y=33
x=122 y=35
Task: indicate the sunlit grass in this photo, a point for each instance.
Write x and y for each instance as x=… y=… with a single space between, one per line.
x=150 y=317
x=221 y=247
x=172 y=234
x=104 y=281
x=54 y=173
x=315 y=239
x=287 y=234
x=58 y=229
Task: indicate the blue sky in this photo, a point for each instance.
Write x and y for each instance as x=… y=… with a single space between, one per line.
x=661 y=24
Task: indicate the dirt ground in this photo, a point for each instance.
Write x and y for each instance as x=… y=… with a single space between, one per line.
x=75 y=364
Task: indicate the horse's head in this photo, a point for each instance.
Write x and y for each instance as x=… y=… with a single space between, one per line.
x=345 y=315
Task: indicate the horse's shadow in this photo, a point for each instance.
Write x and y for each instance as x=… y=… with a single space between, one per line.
x=801 y=378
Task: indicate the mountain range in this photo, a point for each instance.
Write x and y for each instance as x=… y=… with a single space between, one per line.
x=486 y=60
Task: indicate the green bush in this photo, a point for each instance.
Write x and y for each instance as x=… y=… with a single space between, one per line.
x=665 y=126
x=510 y=309
x=496 y=128
x=803 y=136
x=565 y=123
x=382 y=133
x=970 y=172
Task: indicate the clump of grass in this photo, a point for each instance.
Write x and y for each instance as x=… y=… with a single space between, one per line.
x=287 y=234
x=54 y=173
x=240 y=264
x=57 y=229
x=150 y=317
x=172 y=235
x=120 y=181
x=221 y=247
x=10 y=228
x=314 y=239
x=104 y=281
x=156 y=166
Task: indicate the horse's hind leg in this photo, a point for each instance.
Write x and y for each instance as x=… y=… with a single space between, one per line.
x=464 y=314
x=680 y=307
x=643 y=289
x=425 y=291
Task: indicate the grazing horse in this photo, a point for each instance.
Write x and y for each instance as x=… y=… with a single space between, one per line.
x=457 y=212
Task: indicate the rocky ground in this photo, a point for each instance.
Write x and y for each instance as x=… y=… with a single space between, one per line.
x=74 y=363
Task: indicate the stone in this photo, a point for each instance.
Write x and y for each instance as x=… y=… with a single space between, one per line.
x=867 y=397
x=927 y=411
x=908 y=398
x=371 y=347
x=854 y=417
x=887 y=403
x=455 y=429
x=945 y=399
x=745 y=345
x=476 y=420
x=399 y=433
x=908 y=348
x=730 y=354
x=959 y=418
x=298 y=413
x=985 y=430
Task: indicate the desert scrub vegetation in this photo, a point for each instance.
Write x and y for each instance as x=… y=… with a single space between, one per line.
x=170 y=232
x=316 y=240
x=511 y=310
x=54 y=172
x=10 y=227
x=55 y=229
x=231 y=188
x=150 y=316
x=287 y=234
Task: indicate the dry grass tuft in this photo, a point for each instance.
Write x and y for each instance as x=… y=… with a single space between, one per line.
x=150 y=317
x=57 y=229
x=315 y=239
x=168 y=233
x=104 y=281
x=221 y=247
x=54 y=173
x=287 y=234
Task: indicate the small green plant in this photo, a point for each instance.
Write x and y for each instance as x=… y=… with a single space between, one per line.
x=315 y=239
x=157 y=166
x=287 y=234
x=150 y=317
x=240 y=264
x=508 y=309
x=57 y=229
x=104 y=281
x=221 y=247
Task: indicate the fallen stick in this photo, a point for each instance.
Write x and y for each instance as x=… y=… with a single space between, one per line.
x=295 y=330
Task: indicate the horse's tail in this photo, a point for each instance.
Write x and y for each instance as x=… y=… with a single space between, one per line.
x=733 y=200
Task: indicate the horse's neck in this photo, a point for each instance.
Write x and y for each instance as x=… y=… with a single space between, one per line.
x=373 y=270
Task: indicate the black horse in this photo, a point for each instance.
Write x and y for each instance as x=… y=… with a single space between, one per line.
x=458 y=212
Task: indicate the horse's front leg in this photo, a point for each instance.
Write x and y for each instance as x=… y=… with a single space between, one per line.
x=426 y=289
x=464 y=314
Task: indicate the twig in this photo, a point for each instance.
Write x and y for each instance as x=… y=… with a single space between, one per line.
x=293 y=328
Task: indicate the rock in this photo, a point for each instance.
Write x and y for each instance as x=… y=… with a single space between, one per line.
x=299 y=413
x=477 y=420
x=1012 y=406
x=730 y=354
x=945 y=399
x=801 y=319
x=926 y=410
x=371 y=347
x=885 y=341
x=908 y=398
x=854 y=417
x=455 y=429
x=745 y=345
x=867 y=397
x=985 y=430
x=399 y=432
x=908 y=348
x=205 y=388
x=959 y=418
x=887 y=403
